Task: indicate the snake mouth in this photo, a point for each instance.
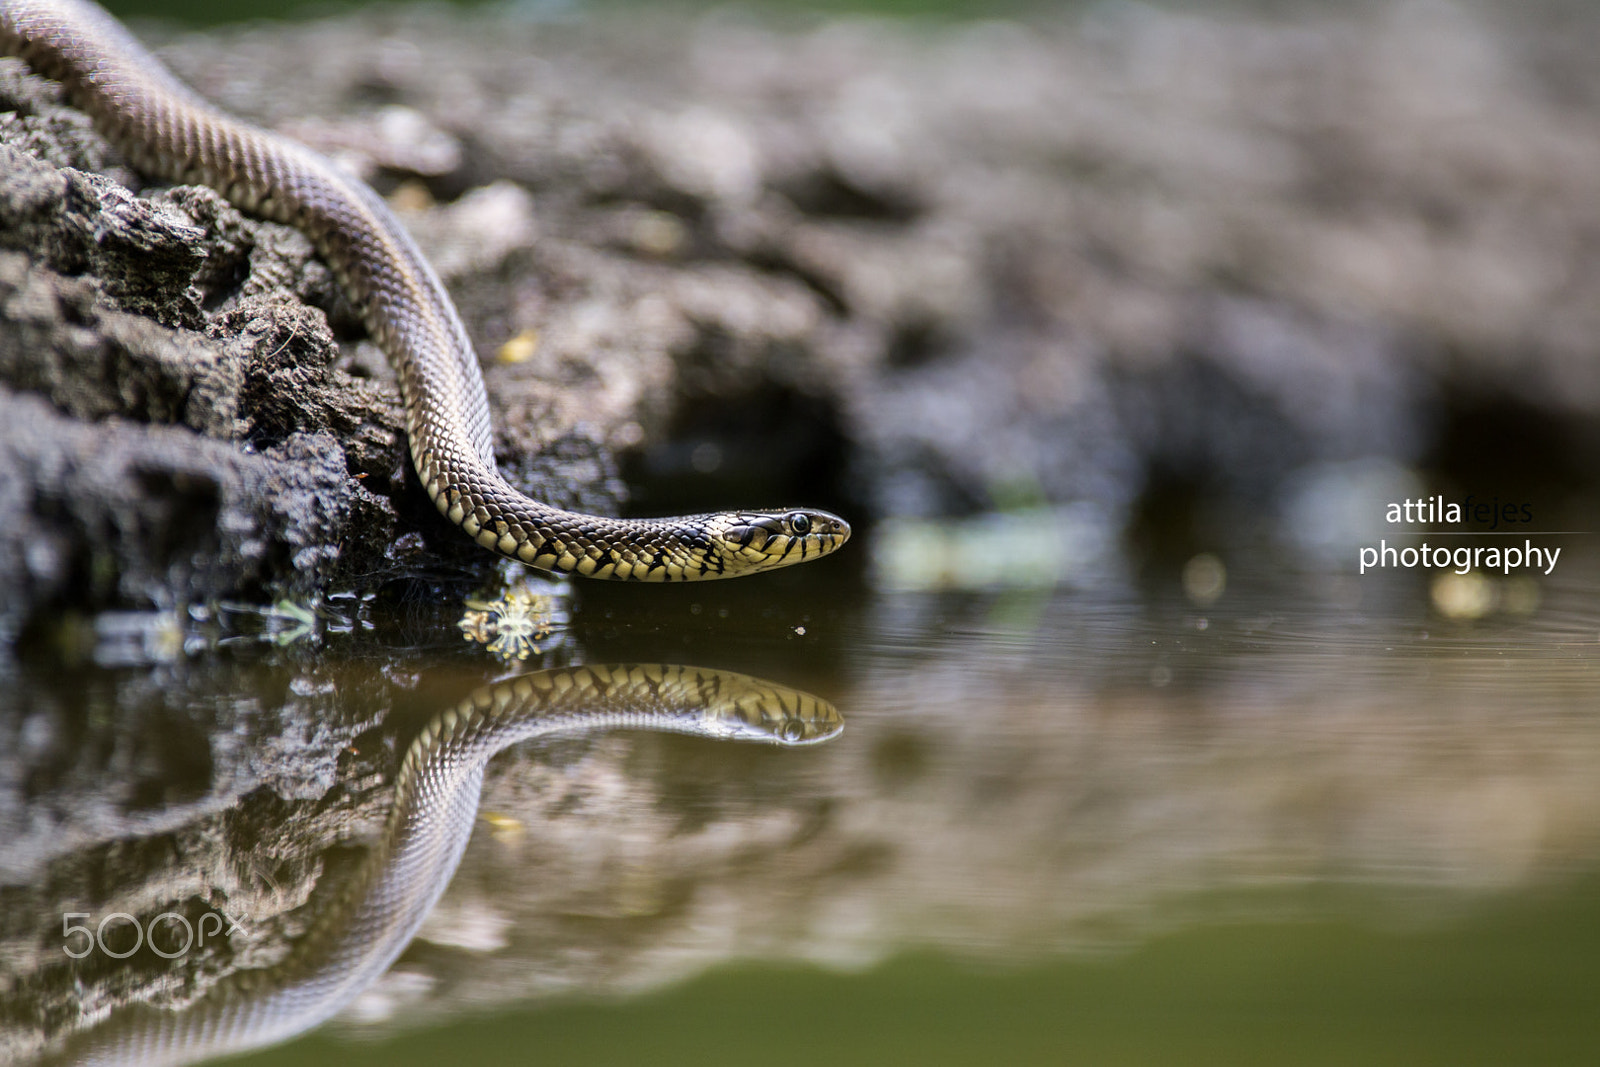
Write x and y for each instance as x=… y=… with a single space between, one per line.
x=798 y=734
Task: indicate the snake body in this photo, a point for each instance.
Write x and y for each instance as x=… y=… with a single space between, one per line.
x=357 y=933
x=171 y=134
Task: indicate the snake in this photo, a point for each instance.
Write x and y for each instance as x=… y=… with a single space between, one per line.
x=169 y=133
x=359 y=929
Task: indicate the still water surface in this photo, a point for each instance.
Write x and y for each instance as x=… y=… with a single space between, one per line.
x=1315 y=820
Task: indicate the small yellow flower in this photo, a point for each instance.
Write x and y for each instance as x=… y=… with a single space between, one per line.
x=510 y=627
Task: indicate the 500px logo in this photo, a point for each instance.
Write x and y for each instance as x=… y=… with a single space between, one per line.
x=167 y=925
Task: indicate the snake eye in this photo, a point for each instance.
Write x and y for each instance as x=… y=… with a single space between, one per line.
x=800 y=523
x=794 y=730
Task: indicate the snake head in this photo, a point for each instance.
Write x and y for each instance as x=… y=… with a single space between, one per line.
x=752 y=541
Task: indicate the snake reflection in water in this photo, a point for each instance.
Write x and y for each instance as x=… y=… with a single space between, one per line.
x=169 y=133
x=359 y=931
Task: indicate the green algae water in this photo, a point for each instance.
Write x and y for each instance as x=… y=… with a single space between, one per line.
x=1505 y=984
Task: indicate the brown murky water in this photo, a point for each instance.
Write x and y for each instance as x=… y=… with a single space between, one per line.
x=1321 y=818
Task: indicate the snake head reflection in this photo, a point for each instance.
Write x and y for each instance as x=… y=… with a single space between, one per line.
x=648 y=696
x=749 y=709
x=751 y=541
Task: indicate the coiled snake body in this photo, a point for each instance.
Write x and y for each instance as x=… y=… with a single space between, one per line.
x=357 y=934
x=168 y=132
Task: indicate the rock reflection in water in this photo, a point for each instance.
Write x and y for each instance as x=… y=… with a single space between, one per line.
x=1027 y=776
x=1086 y=773
x=1030 y=777
x=356 y=934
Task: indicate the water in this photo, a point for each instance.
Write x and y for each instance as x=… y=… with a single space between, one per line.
x=1306 y=816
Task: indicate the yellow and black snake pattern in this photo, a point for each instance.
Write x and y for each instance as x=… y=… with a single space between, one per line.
x=168 y=132
x=358 y=931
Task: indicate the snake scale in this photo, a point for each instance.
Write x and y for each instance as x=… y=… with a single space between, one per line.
x=357 y=932
x=169 y=133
